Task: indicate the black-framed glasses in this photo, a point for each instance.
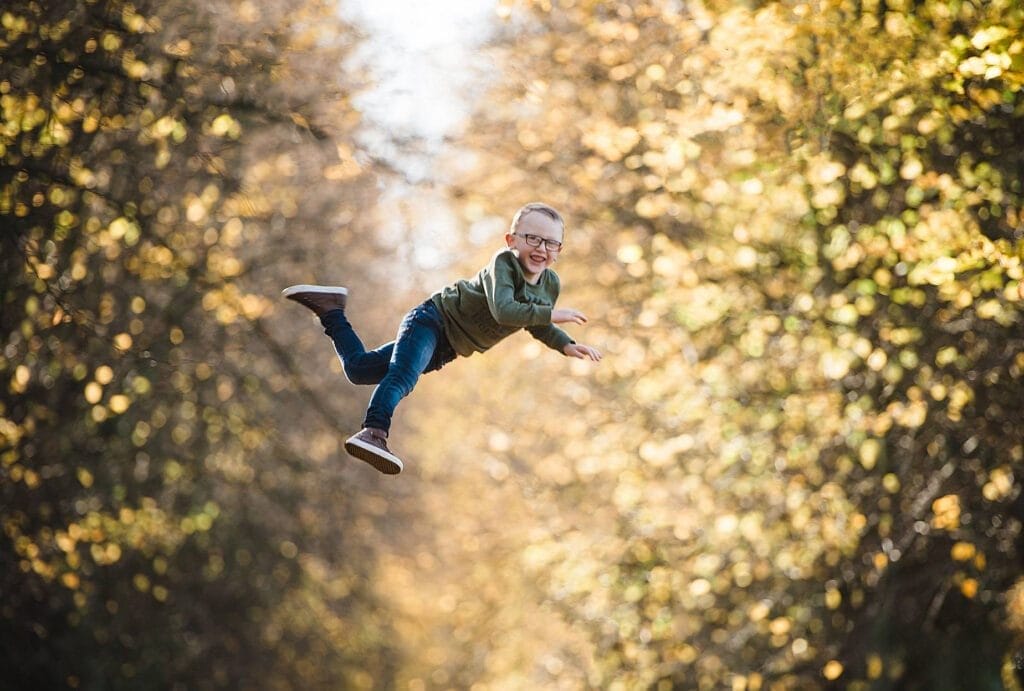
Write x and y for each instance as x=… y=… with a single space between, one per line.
x=537 y=241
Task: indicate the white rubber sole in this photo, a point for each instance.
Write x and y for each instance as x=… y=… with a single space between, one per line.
x=327 y=290
x=385 y=462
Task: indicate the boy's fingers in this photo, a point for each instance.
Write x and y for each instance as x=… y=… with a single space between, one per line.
x=584 y=352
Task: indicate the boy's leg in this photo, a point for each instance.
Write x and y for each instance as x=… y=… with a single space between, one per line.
x=328 y=303
x=413 y=352
x=361 y=366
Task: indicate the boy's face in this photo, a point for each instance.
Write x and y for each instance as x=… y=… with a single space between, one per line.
x=535 y=259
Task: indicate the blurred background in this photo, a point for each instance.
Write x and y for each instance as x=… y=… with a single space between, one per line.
x=796 y=228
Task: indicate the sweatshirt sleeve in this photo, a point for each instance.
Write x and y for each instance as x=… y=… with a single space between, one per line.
x=499 y=288
x=551 y=336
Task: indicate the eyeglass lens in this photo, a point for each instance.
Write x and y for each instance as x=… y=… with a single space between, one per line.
x=536 y=241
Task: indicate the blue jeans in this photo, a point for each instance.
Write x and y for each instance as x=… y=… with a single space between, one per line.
x=394 y=367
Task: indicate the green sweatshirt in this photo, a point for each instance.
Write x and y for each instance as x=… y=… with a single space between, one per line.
x=497 y=302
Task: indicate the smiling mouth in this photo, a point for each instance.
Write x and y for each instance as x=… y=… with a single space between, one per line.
x=539 y=259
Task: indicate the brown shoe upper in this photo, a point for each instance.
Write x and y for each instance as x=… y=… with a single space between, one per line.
x=370 y=445
x=377 y=437
x=320 y=303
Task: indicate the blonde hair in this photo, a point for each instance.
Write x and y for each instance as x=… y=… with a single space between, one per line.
x=525 y=209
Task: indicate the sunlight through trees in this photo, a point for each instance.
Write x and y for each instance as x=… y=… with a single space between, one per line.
x=800 y=225
x=796 y=228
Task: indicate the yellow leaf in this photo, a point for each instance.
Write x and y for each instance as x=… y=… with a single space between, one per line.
x=869 y=453
x=85 y=478
x=93 y=392
x=962 y=551
x=989 y=35
x=21 y=379
x=947 y=512
x=833 y=670
x=104 y=374
x=875 y=666
x=123 y=341
x=969 y=588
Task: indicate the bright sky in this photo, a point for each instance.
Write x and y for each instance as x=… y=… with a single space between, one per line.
x=427 y=69
x=424 y=59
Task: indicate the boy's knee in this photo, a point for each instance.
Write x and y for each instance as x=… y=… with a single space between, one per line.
x=359 y=376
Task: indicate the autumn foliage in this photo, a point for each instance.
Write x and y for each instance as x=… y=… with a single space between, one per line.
x=796 y=228
x=799 y=226
x=158 y=159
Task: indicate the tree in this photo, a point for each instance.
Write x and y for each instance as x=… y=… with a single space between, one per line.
x=163 y=520
x=799 y=226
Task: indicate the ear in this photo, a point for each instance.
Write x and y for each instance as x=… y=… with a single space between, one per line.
x=510 y=239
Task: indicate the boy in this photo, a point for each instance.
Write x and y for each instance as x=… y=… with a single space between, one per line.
x=516 y=290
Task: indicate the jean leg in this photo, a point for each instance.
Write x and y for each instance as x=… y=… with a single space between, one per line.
x=361 y=366
x=413 y=351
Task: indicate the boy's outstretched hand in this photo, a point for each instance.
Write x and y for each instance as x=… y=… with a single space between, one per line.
x=582 y=351
x=566 y=315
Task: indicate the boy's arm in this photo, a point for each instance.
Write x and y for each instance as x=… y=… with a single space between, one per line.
x=551 y=336
x=499 y=288
x=556 y=339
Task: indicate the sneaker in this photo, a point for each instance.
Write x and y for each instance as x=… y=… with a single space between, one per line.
x=371 y=445
x=320 y=299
